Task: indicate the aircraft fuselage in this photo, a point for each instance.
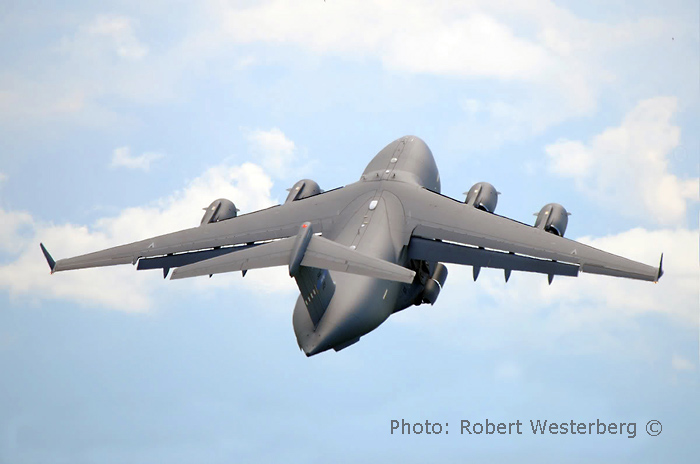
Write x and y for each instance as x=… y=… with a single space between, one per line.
x=375 y=225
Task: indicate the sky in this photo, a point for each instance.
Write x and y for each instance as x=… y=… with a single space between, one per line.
x=121 y=120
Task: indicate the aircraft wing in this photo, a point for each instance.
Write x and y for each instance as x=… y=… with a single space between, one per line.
x=264 y=225
x=485 y=239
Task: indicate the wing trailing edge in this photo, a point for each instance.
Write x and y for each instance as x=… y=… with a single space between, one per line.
x=437 y=217
x=444 y=252
x=316 y=252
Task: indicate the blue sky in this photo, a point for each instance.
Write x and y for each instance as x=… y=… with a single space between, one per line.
x=121 y=120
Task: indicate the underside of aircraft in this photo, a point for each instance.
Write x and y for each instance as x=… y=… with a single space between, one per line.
x=362 y=252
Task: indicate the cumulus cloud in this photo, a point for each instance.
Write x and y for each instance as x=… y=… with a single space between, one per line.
x=99 y=57
x=681 y=364
x=27 y=98
x=434 y=37
x=676 y=293
x=26 y=274
x=489 y=123
x=631 y=162
x=545 y=64
x=490 y=313
x=120 y=32
x=3 y=177
x=12 y=226
x=276 y=152
x=121 y=157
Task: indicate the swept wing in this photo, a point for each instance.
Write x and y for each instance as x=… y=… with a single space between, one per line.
x=480 y=238
x=264 y=225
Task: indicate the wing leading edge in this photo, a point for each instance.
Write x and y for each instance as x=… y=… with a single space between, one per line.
x=433 y=216
x=264 y=225
x=272 y=238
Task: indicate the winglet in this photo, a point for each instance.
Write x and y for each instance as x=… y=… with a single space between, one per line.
x=49 y=259
x=661 y=268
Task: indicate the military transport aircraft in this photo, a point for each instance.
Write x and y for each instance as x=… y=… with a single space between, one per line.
x=364 y=251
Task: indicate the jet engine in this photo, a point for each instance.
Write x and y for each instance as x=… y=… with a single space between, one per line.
x=303 y=189
x=435 y=284
x=553 y=218
x=219 y=210
x=482 y=196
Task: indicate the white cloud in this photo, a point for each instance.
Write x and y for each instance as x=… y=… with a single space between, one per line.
x=121 y=157
x=13 y=228
x=508 y=371
x=569 y=158
x=415 y=36
x=98 y=58
x=676 y=293
x=681 y=364
x=631 y=162
x=489 y=123
x=37 y=100
x=121 y=287
x=119 y=30
x=471 y=106
x=3 y=177
x=545 y=64
x=276 y=152
x=587 y=313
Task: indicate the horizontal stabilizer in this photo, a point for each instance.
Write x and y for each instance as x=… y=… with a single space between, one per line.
x=321 y=253
x=326 y=254
x=435 y=250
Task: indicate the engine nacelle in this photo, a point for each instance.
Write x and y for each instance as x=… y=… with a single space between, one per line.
x=303 y=189
x=219 y=210
x=435 y=284
x=552 y=218
x=482 y=196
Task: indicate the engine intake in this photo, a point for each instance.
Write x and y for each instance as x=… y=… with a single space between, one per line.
x=482 y=196
x=219 y=210
x=303 y=189
x=552 y=218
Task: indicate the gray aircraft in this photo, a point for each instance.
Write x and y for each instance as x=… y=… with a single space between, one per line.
x=362 y=252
